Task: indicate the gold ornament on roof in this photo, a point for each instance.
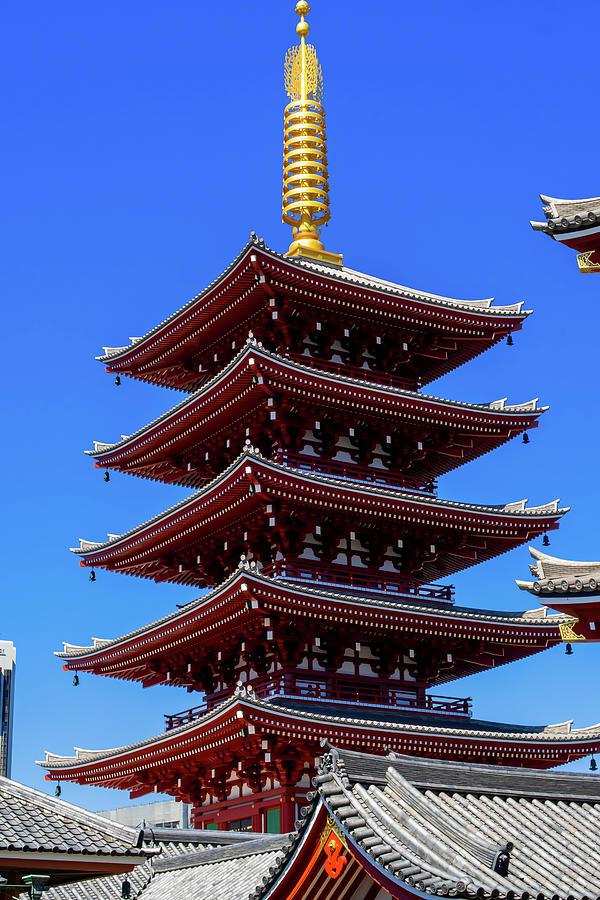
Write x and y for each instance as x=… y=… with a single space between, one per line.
x=305 y=178
x=312 y=73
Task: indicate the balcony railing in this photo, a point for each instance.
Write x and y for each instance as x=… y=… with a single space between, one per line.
x=349 y=371
x=314 y=690
x=314 y=571
x=352 y=471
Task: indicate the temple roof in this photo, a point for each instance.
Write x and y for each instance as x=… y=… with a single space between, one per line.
x=513 y=509
x=303 y=267
x=31 y=821
x=391 y=725
x=520 y=632
x=251 y=483
x=565 y=576
x=221 y=873
x=420 y=826
x=171 y=848
x=568 y=215
x=174 y=428
x=261 y=286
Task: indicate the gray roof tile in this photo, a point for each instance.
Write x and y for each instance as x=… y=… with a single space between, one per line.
x=32 y=821
x=443 y=823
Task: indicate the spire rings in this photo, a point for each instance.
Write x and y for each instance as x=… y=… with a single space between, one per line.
x=305 y=177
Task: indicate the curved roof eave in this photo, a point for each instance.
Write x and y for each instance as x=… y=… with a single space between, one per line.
x=539 y=618
x=253 y=346
x=559 y=733
x=350 y=276
x=517 y=508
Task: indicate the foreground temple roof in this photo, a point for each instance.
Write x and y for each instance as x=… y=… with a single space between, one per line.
x=245 y=385
x=167 y=845
x=229 y=730
x=245 y=289
x=564 y=576
x=198 y=626
x=575 y=223
x=41 y=834
x=570 y=586
x=416 y=827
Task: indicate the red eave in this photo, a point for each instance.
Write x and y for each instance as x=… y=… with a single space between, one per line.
x=248 y=596
x=245 y=490
x=245 y=385
x=203 y=742
x=235 y=299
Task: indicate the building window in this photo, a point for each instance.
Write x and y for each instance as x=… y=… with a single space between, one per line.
x=240 y=825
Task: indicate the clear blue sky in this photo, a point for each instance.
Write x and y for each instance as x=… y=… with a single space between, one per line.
x=142 y=144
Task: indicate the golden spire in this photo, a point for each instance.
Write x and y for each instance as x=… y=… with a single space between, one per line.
x=305 y=187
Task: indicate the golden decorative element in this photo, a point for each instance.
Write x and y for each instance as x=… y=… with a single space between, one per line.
x=312 y=74
x=568 y=634
x=333 y=842
x=332 y=826
x=305 y=179
x=587 y=266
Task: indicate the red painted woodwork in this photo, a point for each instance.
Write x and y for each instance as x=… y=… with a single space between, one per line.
x=289 y=301
x=340 y=690
x=581 y=244
x=359 y=579
x=317 y=472
x=275 y=404
x=270 y=511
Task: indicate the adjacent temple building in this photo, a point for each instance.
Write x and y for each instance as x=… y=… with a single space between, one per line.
x=575 y=223
x=315 y=524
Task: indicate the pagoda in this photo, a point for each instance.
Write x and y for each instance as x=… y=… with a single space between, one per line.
x=575 y=223
x=314 y=521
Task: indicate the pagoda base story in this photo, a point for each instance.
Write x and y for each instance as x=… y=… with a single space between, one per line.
x=273 y=812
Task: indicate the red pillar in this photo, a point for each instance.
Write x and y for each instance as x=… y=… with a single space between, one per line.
x=288 y=812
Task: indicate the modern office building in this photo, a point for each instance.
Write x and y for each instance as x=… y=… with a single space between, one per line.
x=8 y=658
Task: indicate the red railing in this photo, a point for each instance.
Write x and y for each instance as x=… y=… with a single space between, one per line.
x=349 y=371
x=351 y=470
x=352 y=577
x=340 y=692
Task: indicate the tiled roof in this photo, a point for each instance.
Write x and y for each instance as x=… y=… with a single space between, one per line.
x=342 y=274
x=562 y=576
x=516 y=508
x=31 y=821
x=173 y=844
x=396 y=721
x=530 y=617
x=568 y=215
x=497 y=406
x=440 y=827
x=226 y=873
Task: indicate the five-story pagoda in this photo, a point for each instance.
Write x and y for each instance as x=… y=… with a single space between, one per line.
x=315 y=523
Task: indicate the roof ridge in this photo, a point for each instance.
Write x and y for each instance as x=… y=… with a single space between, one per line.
x=252 y=847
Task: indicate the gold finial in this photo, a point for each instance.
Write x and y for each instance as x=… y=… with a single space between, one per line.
x=305 y=185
